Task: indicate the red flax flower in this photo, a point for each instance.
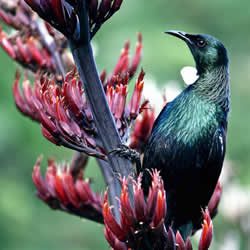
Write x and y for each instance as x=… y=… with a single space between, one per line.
x=64 y=14
x=124 y=68
x=180 y=244
x=142 y=225
x=27 y=51
x=32 y=46
x=101 y=12
x=215 y=200
x=16 y=14
x=142 y=129
x=64 y=113
x=58 y=13
x=59 y=191
x=206 y=235
x=207 y=232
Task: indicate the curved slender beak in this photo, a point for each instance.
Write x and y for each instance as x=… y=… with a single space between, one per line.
x=180 y=34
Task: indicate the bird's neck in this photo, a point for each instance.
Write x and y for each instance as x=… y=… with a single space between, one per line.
x=213 y=86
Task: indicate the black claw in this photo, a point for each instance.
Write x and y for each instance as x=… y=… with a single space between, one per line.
x=129 y=153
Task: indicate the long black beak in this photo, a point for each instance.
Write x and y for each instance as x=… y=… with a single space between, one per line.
x=180 y=34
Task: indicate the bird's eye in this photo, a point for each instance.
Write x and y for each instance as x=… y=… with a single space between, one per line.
x=201 y=43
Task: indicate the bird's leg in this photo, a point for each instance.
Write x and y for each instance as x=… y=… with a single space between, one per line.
x=129 y=153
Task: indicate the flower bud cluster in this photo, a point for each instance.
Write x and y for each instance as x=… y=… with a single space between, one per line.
x=142 y=225
x=60 y=191
x=16 y=14
x=28 y=51
x=65 y=15
x=35 y=45
x=143 y=221
x=64 y=113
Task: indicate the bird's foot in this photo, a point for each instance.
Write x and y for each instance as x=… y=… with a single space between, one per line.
x=129 y=153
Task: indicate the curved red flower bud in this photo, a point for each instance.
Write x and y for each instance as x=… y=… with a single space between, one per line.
x=66 y=124
x=7 y=45
x=110 y=222
x=73 y=96
x=27 y=91
x=180 y=244
x=48 y=59
x=35 y=53
x=139 y=199
x=70 y=189
x=153 y=193
x=135 y=102
x=49 y=136
x=103 y=76
x=116 y=4
x=171 y=242
x=21 y=102
x=23 y=50
x=126 y=208
x=161 y=208
x=142 y=129
x=60 y=192
x=113 y=241
x=207 y=232
x=37 y=179
x=49 y=29
x=215 y=200
x=137 y=57
x=118 y=101
x=122 y=63
x=188 y=244
x=5 y=17
x=84 y=192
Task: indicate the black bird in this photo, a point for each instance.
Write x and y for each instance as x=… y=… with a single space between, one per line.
x=188 y=139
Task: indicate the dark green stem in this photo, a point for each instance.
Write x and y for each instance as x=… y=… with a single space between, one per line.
x=86 y=66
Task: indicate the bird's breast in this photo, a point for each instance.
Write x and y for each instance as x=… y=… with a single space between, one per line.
x=187 y=123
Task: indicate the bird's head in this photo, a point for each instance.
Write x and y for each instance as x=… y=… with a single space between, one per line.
x=208 y=52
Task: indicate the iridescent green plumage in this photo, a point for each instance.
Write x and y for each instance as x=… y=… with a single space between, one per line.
x=188 y=140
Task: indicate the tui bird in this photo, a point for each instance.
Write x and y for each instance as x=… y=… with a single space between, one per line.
x=188 y=140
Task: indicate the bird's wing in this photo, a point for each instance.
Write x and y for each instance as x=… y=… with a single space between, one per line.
x=212 y=167
x=211 y=170
x=219 y=144
x=218 y=149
